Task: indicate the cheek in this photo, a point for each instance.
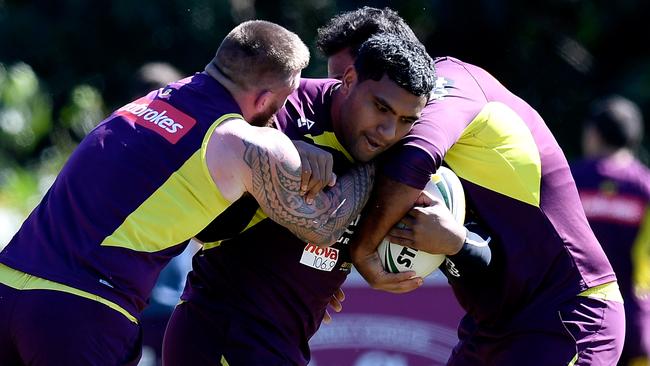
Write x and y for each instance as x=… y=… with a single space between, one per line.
x=363 y=121
x=351 y=130
x=367 y=116
x=403 y=129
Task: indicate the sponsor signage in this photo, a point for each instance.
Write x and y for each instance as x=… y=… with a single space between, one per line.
x=377 y=328
x=158 y=116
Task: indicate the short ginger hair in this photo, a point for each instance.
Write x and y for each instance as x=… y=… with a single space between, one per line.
x=259 y=52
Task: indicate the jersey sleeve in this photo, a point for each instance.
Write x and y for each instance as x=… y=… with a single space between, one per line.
x=455 y=101
x=421 y=152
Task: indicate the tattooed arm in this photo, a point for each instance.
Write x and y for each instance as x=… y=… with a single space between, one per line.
x=264 y=162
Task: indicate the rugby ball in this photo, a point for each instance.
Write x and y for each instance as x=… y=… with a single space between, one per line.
x=395 y=258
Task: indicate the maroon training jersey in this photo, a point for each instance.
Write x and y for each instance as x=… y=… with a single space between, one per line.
x=517 y=180
x=266 y=281
x=130 y=196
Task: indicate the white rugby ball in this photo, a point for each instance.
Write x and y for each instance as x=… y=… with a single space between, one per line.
x=395 y=258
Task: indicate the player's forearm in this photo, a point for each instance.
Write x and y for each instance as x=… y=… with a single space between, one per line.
x=276 y=182
x=344 y=202
x=389 y=202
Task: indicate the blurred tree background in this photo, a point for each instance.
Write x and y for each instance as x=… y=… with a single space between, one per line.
x=64 y=65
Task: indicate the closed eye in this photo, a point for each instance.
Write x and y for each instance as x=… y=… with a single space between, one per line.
x=408 y=120
x=382 y=108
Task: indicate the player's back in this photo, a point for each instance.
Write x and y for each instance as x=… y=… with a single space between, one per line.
x=518 y=182
x=129 y=197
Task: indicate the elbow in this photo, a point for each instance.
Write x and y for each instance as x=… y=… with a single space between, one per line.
x=323 y=242
x=318 y=240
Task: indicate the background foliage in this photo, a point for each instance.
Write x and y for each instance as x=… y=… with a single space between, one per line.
x=66 y=64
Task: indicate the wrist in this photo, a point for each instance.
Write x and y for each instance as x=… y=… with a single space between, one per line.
x=460 y=243
x=475 y=248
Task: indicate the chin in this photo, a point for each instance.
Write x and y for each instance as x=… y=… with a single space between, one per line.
x=361 y=155
x=362 y=158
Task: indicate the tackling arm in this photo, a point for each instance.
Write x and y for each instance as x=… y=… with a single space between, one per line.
x=268 y=166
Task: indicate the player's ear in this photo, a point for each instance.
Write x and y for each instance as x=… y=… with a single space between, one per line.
x=349 y=79
x=263 y=100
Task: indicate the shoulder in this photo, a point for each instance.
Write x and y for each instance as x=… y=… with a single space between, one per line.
x=200 y=95
x=633 y=176
x=237 y=129
x=643 y=177
x=307 y=110
x=452 y=66
x=314 y=86
x=458 y=91
x=312 y=92
x=235 y=149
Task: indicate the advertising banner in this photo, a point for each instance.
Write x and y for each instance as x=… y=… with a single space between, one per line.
x=377 y=328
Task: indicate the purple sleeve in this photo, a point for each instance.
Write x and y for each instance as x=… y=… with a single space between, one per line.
x=410 y=165
x=421 y=152
x=457 y=100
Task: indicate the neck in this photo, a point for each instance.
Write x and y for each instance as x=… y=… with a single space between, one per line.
x=240 y=95
x=213 y=70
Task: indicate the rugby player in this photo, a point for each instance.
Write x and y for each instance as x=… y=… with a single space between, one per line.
x=549 y=295
x=76 y=276
x=257 y=298
x=614 y=187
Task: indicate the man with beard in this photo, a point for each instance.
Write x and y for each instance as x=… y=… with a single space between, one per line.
x=141 y=184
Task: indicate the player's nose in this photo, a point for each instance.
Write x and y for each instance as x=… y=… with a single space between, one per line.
x=387 y=130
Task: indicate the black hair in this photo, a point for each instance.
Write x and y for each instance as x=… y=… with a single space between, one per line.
x=350 y=29
x=618 y=120
x=404 y=61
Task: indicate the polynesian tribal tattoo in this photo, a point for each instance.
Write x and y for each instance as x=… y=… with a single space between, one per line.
x=276 y=187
